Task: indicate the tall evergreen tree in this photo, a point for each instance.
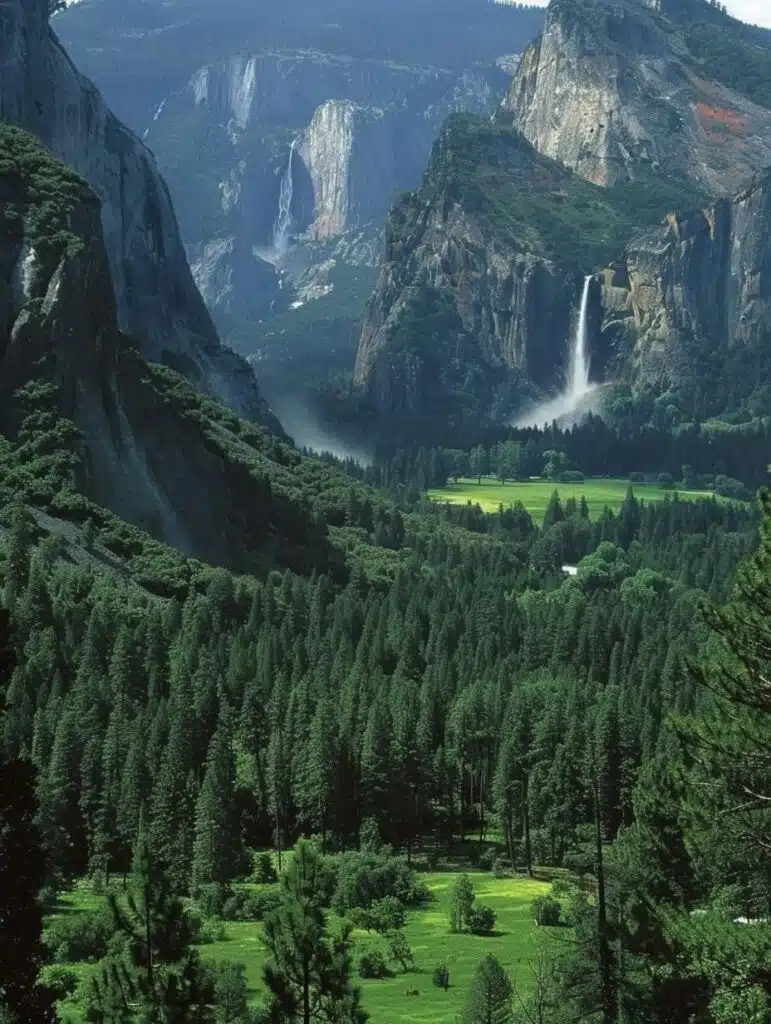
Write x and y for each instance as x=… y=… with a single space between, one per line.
x=308 y=972
x=155 y=976
x=218 y=853
x=489 y=1000
x=22 y=872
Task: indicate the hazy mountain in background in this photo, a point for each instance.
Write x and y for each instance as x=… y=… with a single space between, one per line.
x=285 y=132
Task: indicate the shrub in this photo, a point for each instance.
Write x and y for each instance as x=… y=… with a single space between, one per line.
x=373 y=965
x=665 y=480
x=61 y=981
x=80 y=937
x=399 y=950
x=212 y=898
x=205 y=930
x=487 y=858
x=387 y=915
x=546 y=911
x=251 y=906
x=637 y=478
x=364 y=878
x=571 y=476
x=501 y=867
x=48 y=898
x=482 y=920
x=441 y=976
x=264 y=869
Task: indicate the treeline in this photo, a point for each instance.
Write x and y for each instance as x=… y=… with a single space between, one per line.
x=594 y=448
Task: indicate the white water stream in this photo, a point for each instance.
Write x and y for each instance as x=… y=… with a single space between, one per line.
x=572 y=402
x=283 y=225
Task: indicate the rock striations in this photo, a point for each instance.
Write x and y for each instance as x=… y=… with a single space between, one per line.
x=696 y=294
x=610 y=89
x=157 y=301
x=473 y=308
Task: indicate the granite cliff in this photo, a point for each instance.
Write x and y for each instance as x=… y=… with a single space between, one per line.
x=148 y=446
x=630 y=116
x=473 y=308
x=613 y=87
x=157 y=300
x=692 y=299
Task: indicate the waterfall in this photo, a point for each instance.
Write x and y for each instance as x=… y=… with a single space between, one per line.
x=572 y=404
x=283 y=223
x=579 y=363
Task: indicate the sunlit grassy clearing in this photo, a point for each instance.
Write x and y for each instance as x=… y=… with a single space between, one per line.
x=535 y=494
x=387 y=1001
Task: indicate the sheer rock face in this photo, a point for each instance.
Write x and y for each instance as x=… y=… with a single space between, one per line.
x=609 y=89
x=696 y=289
x=58 y=321
x=157 y=300
x=504 y=333
x=360 y=131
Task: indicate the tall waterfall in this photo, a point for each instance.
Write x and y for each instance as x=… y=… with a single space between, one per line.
x=283 y=223
x=572 y=403
x=578 y=385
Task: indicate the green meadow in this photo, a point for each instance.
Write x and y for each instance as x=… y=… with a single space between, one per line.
x=600 y=493
x=393 y=1000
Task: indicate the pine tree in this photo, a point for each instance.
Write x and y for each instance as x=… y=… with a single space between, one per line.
x=218 y=852
x=22 y=873
x=489 y=999
x=155 y=973
x=308 y=971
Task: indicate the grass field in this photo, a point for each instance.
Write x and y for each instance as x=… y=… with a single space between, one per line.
x=387 y=1001
x=535 y=494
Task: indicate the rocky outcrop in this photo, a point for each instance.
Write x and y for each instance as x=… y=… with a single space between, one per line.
x=151 y=449
x=157 y=301
x=611 y=91
x=348 y=151
x=358 y=131
x=467 y=315
x=695 y=296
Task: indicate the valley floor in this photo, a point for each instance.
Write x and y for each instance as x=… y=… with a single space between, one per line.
x=408 y=998
x=600 y=493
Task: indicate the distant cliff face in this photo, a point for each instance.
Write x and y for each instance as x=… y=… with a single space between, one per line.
x=696 y=296
x=157 y=301
x=611 y=87
x=357 y=132
x=473 y=308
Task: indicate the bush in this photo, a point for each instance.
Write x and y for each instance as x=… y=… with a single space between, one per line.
x=251 y=906
x=59 y=980
x=501 y=867
x=364 y=878
x=571 y=476
x=546 y=911
x=373 y=965
x=205 y=930
x=482 y=920
x=441 y=977
x=80 y=937
x=487 y=858
x=399 y=950
x=211 y=899
x=665 y=480
x=264 y=869
x=48 y=898
x=727 y=487
x=637 y=478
